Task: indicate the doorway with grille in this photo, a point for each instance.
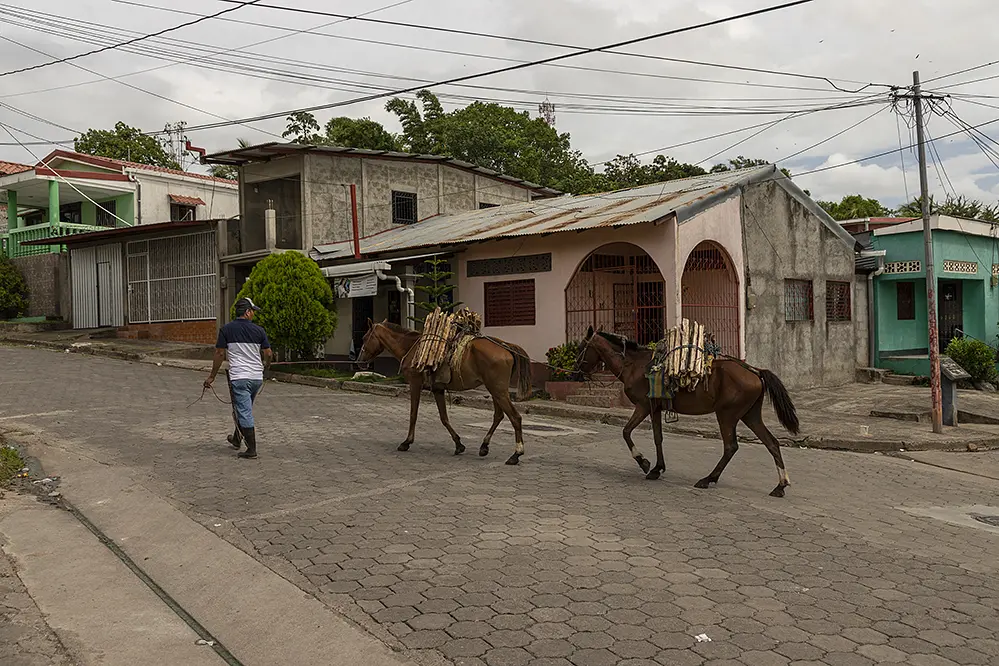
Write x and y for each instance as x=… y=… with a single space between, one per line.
x=620 y=288
x=709 y=295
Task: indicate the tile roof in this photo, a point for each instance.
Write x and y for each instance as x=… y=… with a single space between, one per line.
x=111 y=163
x=8 y=168
x=186 y=201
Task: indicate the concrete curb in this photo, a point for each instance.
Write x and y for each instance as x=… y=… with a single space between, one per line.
x=545 y=408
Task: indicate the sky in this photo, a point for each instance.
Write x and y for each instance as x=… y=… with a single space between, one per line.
x=610 y=104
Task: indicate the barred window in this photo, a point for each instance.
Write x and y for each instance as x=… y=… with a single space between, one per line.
x=905 y=301
x=798 y=304
x=107 y=214
x=510 y=303
x=838 y=301
x=404 y=208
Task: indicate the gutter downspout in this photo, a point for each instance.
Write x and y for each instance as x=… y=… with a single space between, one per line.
x=871 y=351
x=410 y=296
x=138 y=199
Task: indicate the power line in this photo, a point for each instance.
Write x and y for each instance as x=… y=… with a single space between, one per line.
x=32 y=21
x=536 y=42
x=241 y=4
x=512 y=68
x=963 y=71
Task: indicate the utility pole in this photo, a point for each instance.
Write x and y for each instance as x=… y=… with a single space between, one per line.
x=931 y=286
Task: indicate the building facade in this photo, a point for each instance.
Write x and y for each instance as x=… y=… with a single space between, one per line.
x=966 y=258
x=746 y=253
x=68 y=193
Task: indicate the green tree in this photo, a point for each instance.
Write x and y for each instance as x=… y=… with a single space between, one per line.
x=855 y=206
x=302 y=128
x=297 y=308
x=228 y=171
x=495 y=137
x=124 y=143
x=959 y=206
x=13 y=290
x=436 y=288
x=741 y=162
x=627 y=171
x=359 y=133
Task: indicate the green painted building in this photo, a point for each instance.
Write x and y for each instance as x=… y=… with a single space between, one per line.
x=966 y=266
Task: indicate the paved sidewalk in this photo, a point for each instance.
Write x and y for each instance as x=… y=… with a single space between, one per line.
x=570 y=558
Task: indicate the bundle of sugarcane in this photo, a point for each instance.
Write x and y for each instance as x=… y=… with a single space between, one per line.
x=468 y=322
x=430 y=347
x=680 y=355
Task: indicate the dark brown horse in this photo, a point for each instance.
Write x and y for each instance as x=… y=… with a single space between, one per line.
x=486 y=362
x=733 y=392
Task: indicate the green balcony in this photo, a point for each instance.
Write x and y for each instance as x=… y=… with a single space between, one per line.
x=13 y=239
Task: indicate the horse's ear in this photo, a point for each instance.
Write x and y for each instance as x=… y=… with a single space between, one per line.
x=589 y=333
x=371 y=324
x=601 y=328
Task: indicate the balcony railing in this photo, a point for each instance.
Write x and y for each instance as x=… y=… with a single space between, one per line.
x=13 y=239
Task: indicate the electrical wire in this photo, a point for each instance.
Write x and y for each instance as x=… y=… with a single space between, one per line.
x=241 y=3
x=962 y=71
x=537 y=42
x=901 y=157
x=511 y=68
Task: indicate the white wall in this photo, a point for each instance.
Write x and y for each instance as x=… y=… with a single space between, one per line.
x=221 y=199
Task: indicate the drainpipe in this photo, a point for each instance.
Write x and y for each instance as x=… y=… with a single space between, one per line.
x=410 y=296
x=871 y=323
x=353 y=217
x=138 y=200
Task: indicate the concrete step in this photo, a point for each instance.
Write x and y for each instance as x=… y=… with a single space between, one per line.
x=592 y=401
x=871 y=375
x=899 y=380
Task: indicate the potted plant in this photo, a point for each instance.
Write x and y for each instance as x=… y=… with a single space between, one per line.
x=564 y=379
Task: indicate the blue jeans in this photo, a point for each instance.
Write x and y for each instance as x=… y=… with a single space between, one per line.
x=244 y=392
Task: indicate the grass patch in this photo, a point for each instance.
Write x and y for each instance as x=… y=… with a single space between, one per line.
x=11 y=464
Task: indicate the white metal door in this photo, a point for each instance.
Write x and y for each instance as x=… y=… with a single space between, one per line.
x=83 y=271
x=110 y=286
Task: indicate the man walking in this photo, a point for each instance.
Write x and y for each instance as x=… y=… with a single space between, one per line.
x=249 y=353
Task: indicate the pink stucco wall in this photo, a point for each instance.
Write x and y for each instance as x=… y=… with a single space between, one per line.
x=568 y=251
x=721 y=224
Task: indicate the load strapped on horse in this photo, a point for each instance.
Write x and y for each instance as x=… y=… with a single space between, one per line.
x=680 y=361
x=442 y=346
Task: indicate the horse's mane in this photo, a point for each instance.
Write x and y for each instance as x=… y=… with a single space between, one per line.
x=619 y=341
x=397 y=328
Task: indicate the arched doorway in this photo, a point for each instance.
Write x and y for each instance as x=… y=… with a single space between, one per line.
x=620 y=288
x=709 y=295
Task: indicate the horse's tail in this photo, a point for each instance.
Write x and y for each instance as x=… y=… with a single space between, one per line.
x=781 y=401
x=521 y=368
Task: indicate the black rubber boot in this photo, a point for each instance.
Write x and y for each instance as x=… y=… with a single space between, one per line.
x=236 y=439
x=250 y=435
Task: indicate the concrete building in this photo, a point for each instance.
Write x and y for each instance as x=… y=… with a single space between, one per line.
x=67 y=193
x=966 y=254
x=746 y=253
x=318 y=193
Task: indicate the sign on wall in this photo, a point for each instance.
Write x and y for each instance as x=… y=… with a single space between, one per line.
x=356 y=286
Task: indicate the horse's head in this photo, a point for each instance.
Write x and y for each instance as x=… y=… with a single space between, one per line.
x=371 y=345
x=588 y=358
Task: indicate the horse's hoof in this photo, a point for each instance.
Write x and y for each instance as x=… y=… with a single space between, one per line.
x=645 y=465
x=777 y=492
x=703 y=483
x=513 y=460
x=403 y=447
x=483 y=451
x=653 y=475
x=459 y=448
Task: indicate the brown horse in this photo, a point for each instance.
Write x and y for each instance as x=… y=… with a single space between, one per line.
x=486 y=362
x=734 y=391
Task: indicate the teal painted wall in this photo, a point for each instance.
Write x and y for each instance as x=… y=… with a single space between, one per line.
x=88 y=213
x=980 y=298
x=125 y=208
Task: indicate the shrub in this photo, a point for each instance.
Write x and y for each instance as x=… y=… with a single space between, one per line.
x=978 y=358
x=297 y=307
x=562 y=360
x=13 y=291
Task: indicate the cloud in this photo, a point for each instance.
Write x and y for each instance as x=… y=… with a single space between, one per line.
x=854 y=42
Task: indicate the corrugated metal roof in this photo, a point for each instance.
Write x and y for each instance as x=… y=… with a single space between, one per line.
x=268 y=151
x=567 y=213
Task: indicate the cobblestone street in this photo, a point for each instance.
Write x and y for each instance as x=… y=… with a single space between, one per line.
x=570 y=557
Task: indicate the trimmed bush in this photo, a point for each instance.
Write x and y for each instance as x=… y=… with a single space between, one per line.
x=297 y=307
x=13 y=291
x=978 y=358
x=562 y=360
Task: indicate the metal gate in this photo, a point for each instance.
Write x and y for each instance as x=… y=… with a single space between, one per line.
x=710 y=295
x=624 y=294
x=174 y=278
x=97 y=286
